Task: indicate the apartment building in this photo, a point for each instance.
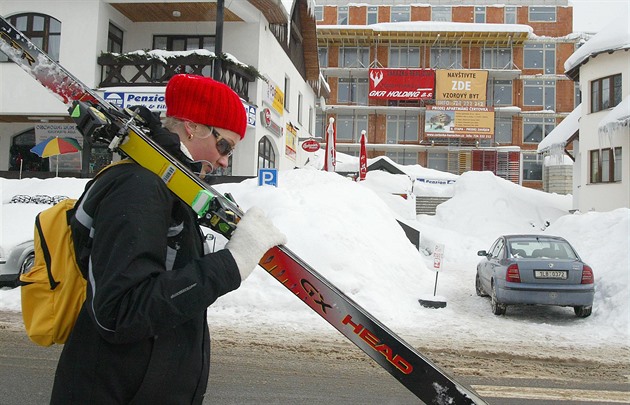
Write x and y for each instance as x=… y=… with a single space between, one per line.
x=126 y=50
x=449 y=85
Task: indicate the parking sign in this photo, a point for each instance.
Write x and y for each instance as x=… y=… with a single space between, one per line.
x=268 y=177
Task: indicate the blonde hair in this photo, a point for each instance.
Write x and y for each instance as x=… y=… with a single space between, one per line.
x=174 y=125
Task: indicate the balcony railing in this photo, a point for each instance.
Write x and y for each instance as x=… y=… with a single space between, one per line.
x=155 y=69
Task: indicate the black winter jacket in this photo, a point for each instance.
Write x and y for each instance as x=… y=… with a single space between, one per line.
x=142 y=335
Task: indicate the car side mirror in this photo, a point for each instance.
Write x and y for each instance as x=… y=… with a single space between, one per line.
x=482 y=253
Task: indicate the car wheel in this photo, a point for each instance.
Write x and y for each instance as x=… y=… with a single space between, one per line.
x=26 y=266
x=497 y=308
x=478 y=288
x=583 y=311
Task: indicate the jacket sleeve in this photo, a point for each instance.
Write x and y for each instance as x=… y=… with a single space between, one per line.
x=131 y=295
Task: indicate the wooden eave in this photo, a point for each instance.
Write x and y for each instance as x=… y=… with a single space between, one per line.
x=273 y=10
x=366 y=37
x=163 y=11
x=309 y=42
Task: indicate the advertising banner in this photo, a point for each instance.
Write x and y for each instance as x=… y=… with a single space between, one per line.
x=273 y=96
x=290 y=141
x=402 y=84
x=465 y=86
x=459 y=122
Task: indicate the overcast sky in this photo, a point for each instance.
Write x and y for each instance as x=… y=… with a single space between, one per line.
x=593 y=15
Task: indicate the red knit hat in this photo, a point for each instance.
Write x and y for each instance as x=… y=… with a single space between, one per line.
x=205 y=101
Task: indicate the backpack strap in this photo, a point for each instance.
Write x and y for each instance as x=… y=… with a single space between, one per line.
x=46 y=252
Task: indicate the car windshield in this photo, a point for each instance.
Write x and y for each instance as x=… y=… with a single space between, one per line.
x=541 y=249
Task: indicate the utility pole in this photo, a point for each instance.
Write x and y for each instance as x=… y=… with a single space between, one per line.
x=218 y=41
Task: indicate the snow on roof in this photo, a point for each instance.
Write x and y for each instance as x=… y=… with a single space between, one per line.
x=559 y=135
x=615 y=36
x=436 y=26
x=617 y=117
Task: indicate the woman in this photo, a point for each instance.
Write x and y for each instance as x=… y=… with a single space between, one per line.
x=142 y=335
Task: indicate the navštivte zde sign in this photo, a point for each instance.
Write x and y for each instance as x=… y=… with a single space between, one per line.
x=465 y=87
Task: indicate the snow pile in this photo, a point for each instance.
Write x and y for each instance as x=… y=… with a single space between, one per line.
x=346 y=232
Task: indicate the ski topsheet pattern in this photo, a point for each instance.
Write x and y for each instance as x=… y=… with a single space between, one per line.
x=417 y=373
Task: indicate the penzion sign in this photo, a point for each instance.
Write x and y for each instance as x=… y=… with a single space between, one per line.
x=402 y=84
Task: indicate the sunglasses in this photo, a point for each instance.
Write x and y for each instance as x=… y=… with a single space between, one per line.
x=224 y=146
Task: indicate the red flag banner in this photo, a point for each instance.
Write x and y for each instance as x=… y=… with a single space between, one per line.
x=402 y=84
x=362 y=158
x=331 y=138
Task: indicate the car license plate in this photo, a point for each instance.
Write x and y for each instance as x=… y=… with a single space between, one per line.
x=555 y=274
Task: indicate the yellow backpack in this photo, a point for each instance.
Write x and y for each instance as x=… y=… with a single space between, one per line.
x=53 y=291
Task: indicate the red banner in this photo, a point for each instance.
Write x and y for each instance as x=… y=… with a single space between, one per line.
x=402 y=84
x=362 y=158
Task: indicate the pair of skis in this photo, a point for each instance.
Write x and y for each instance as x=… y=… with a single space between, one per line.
x=100 y=121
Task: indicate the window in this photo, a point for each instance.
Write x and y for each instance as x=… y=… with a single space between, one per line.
x=115 y=45
x=319 y=13
x=299 y=107
x=438 y=161
x=403 y=158
x=322 y=53
x=349 y=127
x=43 y=30
x=342 y=15
x=540 y=56
x=542 y=14
x=400 y=56
x=320 y=118
x=446 y=58
x=354 y=91
x=503 y=130
x=480 y=14
x=501 y=92
x=540 y=93
x=372 y=15
x=535 y=129
x=266 y=154
x=510 y=15
x=605 y=165
x=532 y=167
x=605 y=92
x=114 y=39
x=577 y=94
x=287 y=90
x=182 y=43
x=441 y=13
x=496 y=58
x=399 y=14
x=402 y=127
x=354 y=57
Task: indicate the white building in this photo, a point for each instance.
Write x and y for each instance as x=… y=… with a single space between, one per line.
x=601 y=134
x=271 y=47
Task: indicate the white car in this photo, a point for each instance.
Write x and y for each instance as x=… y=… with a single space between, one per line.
x=15 y=261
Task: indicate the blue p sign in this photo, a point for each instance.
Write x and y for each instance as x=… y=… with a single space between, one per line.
x=268 y=177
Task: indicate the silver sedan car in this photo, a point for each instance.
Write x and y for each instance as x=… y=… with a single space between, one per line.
x=534 y=270
x=15 y=261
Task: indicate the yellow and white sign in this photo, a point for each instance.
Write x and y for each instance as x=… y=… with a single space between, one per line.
x=461 y=85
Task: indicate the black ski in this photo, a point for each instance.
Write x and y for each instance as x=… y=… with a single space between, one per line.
x=100 y=121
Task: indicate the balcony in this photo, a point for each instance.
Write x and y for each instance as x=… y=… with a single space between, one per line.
x=155 y=68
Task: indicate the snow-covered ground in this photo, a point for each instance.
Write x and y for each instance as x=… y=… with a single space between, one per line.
x=348 y=232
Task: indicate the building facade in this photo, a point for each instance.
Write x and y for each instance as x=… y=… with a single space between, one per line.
x=266 y=50
x=491 y=78
x=600 y=128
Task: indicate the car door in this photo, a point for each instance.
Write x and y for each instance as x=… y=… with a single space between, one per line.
x=495 y=266
x=486 y=267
